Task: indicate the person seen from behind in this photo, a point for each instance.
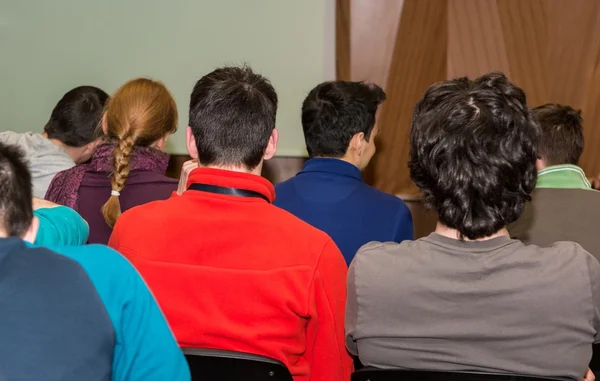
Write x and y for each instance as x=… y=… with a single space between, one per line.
x=128 y=168
x=72 y=313
x=338 y=119
x=230 y=270
x=468 y=297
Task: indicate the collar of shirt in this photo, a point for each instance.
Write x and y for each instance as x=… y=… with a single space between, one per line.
x=232 y=179
x=563 y=176
x=332 y=166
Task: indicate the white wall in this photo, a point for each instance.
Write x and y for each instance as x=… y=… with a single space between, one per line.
x=48 y=47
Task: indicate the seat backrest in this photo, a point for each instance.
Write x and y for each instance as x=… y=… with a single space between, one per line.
x=370 y=374
x=217 y=365
x=595 y=362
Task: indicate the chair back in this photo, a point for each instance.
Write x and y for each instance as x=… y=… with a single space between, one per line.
x=216 y=365
x=595 y=362
x=371 y=374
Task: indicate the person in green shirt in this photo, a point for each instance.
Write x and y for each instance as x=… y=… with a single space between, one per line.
x=59 y=225
x=564 y=207
x=561 y=147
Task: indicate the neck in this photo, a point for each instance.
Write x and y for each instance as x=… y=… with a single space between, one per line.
x=237 y=168
x=69 y=150
x=349 y=159
x=442 y=229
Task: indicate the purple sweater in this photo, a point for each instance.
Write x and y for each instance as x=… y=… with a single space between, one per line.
x=87 y=187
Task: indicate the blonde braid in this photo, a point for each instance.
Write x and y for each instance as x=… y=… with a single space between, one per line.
x=111 y=210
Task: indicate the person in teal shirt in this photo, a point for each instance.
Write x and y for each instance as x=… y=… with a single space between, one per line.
x=74 y=312
x=59 y=225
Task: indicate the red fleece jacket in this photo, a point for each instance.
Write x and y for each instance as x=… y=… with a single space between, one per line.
x=237 y=273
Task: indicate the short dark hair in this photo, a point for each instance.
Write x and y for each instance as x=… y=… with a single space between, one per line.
x=75 y=118
x=15 y=191
x=333 y=112
x=562 y=133
x=473 y=150
x=232 y=116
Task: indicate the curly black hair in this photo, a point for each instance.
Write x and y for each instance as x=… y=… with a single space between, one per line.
x=473 y=151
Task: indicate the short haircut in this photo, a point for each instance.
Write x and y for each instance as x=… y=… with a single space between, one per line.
x=562 y=134
x=473 y=150
x=15 y=191
x=232 y=116
x=75 y=118
x=333 y=112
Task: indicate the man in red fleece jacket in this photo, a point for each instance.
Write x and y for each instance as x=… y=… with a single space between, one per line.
x=230 y=270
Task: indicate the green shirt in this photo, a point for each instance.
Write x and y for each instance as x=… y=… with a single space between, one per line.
x=61 y=226
x=563 y=176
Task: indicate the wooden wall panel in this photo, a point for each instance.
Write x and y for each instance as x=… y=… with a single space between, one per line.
x=525 y=34
x=418 y=60
x=342 y=39
x=371 y=48
x=550 y=48
x=475 y=39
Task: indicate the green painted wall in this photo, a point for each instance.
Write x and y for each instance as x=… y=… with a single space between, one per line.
x=50 y=46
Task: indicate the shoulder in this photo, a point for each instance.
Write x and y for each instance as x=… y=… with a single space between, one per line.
x=150 y=177
x=282 y=189
x=10 y=137
x=564 y=249
x=65 y=173
x=45 y=258
x=139 y=218
x=374 y=255
x=97 y=260
x=300 y=234
x=382 y=199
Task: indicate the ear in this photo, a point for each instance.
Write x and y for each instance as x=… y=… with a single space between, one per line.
x=271 y=145
x=104 y=124
x=357 y=143
x=31 y=233
x=540 y=164
x=190 y=143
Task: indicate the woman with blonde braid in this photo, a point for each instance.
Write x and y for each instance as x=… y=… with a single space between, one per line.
x=128 y=168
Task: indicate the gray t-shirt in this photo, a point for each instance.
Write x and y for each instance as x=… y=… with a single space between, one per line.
x=45 y=158
x=488 y=306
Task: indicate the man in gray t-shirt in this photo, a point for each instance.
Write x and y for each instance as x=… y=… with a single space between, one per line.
x=69 y=137
x=467 y=297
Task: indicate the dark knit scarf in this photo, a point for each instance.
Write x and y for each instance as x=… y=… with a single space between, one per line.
x=64 y=188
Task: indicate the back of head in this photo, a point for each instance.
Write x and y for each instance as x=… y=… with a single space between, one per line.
x=333 y=112
x=75 y=118
x=15 y=192
x=562 y=134
x=139 y=113
x=473 y=153
x=232 y=116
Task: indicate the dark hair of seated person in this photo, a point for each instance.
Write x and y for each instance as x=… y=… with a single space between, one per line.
x=333 y=112
x=562 y=134
x=16 y=208
x=76 y=117
x=473 y=151
x=232 y=115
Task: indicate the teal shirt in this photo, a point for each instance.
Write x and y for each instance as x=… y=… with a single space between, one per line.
x=61 y=226
x=563 y=176
x=145 y=348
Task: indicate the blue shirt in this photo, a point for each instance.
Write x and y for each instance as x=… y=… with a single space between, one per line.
x=330 y=194
x=142 y=346
x=53 y=324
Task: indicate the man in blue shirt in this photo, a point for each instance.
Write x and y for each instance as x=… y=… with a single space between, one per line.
x=338 y=119
x=83 y=314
